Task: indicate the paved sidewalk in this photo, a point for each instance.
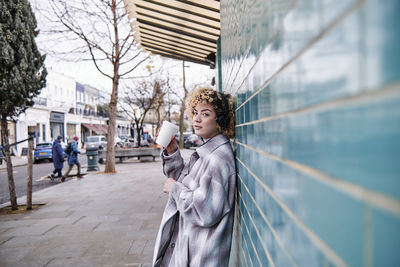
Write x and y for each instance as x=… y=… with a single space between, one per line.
x=16 y=161
x=100 y=220
x=23 y=160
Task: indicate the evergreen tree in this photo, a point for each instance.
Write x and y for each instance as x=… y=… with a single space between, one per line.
x=22 y=71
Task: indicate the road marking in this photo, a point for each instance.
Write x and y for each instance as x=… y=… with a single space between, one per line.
x=42 y=178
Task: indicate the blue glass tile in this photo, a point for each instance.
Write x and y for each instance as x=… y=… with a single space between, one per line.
x=358 y=143
x=362 y=139
x=382 y=53
x=335 y=217
x=292 y=89
x=277 y=254
x=304 y=253
x=247 y=112
x=305 y=17
x=386 y=239
x=254 y=109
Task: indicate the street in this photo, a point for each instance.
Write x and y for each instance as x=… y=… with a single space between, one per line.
x=40 y=180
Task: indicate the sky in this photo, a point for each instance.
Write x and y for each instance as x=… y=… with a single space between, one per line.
x=85 y=71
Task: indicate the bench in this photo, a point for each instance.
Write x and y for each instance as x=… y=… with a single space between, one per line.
x=126 y=153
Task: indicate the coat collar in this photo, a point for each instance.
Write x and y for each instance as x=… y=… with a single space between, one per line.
x=211 y=145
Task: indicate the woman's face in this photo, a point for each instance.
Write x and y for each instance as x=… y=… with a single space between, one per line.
x=204 y=121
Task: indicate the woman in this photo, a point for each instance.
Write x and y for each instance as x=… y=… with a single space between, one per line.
x=196 y=228
x=58 y=158
x=73 y=159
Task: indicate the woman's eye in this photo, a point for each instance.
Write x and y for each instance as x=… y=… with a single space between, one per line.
x=194 y=113
x=206 y=114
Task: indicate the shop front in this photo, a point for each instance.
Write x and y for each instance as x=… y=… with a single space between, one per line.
x=89 y=129
x=34 y=122
x=56 y=125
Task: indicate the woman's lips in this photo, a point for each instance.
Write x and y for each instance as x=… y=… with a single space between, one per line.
x=197 y=127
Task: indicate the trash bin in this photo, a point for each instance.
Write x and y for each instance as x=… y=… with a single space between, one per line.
x=92 y=155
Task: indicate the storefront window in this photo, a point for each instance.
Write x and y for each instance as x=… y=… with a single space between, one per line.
x=71 y=131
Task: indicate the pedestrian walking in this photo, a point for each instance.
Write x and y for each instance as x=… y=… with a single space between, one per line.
x=73 y=158
x=196 y=228
x=1 y=155
x=58 y=158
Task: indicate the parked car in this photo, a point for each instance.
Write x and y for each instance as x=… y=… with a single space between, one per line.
x=144 y=143
x=123 y=137
x=99 y=141
x=42 y=151
x=129 y=142
x=194 y=141
x=189 y=140
x=185 y=137
x=118 y=142
x=132 y=142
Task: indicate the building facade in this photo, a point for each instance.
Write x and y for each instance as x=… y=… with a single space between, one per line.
x=64 y=108
x=47 y=118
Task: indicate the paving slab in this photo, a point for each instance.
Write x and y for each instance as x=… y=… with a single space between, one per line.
x=100 y=220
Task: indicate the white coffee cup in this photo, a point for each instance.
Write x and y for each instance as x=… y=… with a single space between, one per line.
x=168 y=130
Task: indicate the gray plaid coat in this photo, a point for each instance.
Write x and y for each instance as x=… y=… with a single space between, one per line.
x=196 y=228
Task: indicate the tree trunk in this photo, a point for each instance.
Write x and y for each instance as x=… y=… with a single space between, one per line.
x=158 y=118
x=6 y=149
x=110 y=164
x=138 y=134
x=29 y=184
x=181 y=124
x=183 y=107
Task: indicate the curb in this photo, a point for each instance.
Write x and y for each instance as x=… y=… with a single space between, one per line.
x=16 y=165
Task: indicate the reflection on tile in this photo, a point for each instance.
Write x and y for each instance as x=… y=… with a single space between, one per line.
x=382 y=54
x=350 y=137
x=312 y=79
x=284 y=65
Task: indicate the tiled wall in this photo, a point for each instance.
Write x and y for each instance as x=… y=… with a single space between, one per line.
x=317 y=87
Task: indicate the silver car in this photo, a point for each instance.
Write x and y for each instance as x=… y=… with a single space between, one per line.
x=96 y=141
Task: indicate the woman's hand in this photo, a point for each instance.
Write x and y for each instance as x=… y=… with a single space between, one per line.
x=167 y=185
x=172 y=146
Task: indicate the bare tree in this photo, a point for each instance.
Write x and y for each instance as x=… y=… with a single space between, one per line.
x=183 y=106
x=160 y=93
x=182 y=97
x=101 y=28
x=140 y=99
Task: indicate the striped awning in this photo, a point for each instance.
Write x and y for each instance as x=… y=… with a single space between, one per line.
x=96 y=128
x=186 y=30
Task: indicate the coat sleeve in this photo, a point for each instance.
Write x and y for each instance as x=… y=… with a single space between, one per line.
x=172 y=164
x=60 y=153
x=208 y=203
x=75 y=148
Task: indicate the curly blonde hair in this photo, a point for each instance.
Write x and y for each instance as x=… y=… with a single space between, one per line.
x=222 y=104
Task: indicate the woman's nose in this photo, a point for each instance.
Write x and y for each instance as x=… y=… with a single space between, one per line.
x=196 y=118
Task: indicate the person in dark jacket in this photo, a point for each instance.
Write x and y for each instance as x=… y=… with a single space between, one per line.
x=58 y=158
x=73 y=159
x=1 y=155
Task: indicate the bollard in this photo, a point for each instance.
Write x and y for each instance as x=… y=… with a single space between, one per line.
x=92 y=155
